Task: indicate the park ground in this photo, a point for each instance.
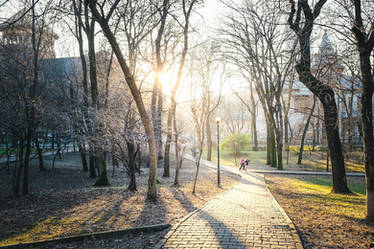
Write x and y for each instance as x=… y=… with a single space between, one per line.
x=64 y=203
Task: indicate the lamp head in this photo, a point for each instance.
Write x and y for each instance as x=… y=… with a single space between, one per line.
x=218 y=119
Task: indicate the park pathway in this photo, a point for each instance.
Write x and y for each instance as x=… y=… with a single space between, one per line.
x=246 y=216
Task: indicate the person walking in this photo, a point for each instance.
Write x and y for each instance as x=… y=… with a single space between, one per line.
x=246 y=164
x=241 y=164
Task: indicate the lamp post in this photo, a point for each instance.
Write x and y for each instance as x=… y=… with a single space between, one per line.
x=218 y=165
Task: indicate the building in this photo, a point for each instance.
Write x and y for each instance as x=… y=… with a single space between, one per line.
x=327 y=68
x=16 y=34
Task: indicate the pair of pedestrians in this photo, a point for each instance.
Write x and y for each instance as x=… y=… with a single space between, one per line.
x=244 y=164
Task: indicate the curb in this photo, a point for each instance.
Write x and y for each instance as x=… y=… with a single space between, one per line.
x=175 y=227
x=97 y=235
x=315 y=173
x=293 y=229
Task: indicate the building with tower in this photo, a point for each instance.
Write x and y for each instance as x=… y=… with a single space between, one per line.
x=327 y=68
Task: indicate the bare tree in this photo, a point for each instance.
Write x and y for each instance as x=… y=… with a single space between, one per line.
x=157 y=96
x=359 y=15
x=103 y=20
x=256 y=43
x=203 y=102
x=187 y=8
x=323 y=91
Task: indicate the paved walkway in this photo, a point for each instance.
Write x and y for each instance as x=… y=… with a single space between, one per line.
x=247 y=216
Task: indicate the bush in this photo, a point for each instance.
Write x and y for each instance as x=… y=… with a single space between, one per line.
x=236 y=143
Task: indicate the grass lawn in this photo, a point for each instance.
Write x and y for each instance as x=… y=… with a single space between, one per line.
x=312 y=161
x=324 y=220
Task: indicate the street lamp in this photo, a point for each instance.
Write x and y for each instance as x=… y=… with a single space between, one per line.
x=218 y=119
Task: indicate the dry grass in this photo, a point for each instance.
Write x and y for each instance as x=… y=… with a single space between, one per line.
x=324 y=220
x=51 y=213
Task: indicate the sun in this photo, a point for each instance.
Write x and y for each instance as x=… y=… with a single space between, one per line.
x=167 y=79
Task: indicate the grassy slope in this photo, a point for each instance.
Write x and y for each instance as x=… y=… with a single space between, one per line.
x=324 y=220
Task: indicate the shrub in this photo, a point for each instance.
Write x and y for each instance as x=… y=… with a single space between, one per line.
x=236 y=143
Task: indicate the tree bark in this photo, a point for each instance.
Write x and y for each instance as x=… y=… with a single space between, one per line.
x=83 y=153
x=209 y=139
x=301 y=148
x=254 y=133
x=268 y=145
x=178 y=156
x=132 y=165
x=103 y=178
x=92 y=162
x=157 y=96
x=40 y=154
x=169 y=131
x=367 y=129
x=17 y=181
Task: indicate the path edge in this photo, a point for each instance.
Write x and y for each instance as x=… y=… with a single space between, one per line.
x=96 y=235
x=293 y=229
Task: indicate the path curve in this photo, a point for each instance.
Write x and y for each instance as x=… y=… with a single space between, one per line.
x=246 y=216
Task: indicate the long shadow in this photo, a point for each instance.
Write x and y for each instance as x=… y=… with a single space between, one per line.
x=52 y=200
x=148 y=216
x=113 y=213
x=224 y=234
x=183 y=199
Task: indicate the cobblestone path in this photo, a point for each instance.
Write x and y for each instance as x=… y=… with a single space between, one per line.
x=246 y=216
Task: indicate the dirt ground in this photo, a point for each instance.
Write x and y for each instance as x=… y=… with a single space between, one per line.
x=63 y=202
x=324 y=220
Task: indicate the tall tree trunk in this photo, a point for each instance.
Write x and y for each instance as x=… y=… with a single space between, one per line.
x=268 y=144
x=157 y=96
x=158 y=134
x=92 y=163
x=169 y=131
x=30 y=108
x=83 y=153
x=273 y=151
x=103 y=178
x=323 y=91
x=147 y=122
x=25 y=183
x=178 y=156
x=301 y=148
x=279 y=135
x=254 y=133
x=173 y=105
x=100 y=151
x=286 y=140
x=365 y=44
x=18 y=174
x=367 y=129
x=40 y=153
x=254 y=121
x=209 y=139
x=132 y=152
x=197 y=171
